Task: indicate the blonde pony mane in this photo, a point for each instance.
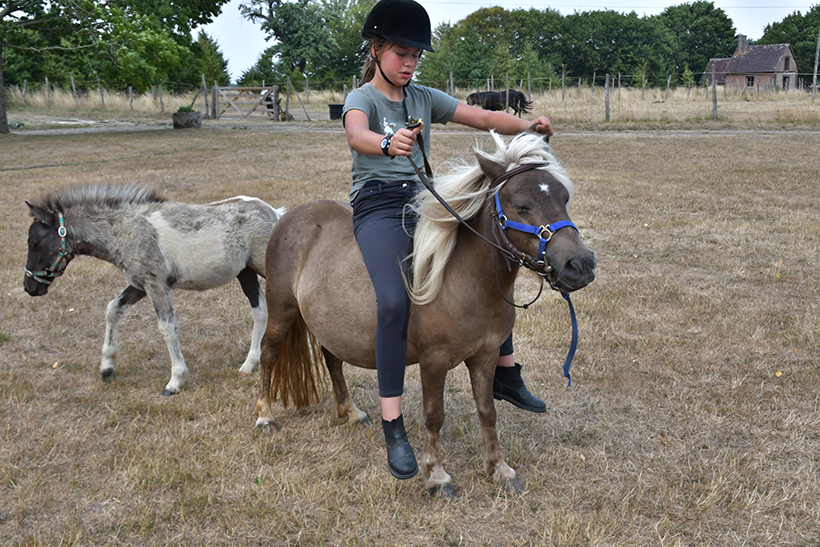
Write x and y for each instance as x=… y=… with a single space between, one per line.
x=465 y=188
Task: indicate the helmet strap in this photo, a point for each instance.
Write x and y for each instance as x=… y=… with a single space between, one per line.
x=379 y=64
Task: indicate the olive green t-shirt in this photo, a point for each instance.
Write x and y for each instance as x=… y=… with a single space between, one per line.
x=386 y=117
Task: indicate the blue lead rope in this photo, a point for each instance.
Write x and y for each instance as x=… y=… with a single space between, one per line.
x=574 y=344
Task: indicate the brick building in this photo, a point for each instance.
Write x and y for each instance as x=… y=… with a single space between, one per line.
x=763 y=68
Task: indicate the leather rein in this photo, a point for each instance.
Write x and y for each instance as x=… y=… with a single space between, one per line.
x=537 y=264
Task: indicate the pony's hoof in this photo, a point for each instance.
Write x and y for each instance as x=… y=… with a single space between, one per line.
x=444 y=491
x=106 y=374
x=267 y=426
x=513 y=486
x=363 y=421
x=168 y=392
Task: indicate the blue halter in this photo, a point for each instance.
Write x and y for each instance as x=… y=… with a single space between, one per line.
x=544 y=234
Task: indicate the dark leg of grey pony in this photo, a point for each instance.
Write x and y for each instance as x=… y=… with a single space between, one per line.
x=113 y=314
x=259 y=310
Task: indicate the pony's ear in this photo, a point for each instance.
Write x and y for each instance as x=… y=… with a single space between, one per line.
x=40 y=214
x=489 y=167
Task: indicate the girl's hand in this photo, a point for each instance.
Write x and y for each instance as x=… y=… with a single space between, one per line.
x=543 y=126
x=404 y=140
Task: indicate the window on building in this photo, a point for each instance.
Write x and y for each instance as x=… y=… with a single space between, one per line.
x=786 y=64
x=750 y=81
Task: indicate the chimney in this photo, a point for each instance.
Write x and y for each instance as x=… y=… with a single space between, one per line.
x=741 y=44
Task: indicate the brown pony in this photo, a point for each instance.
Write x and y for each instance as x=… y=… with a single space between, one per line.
x=320 y=297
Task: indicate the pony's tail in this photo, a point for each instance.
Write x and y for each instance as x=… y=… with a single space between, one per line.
x=298 y=371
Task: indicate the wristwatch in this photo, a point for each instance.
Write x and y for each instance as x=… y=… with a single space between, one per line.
x=385 y=144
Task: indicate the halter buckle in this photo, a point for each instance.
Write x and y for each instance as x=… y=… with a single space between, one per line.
x=545 y=229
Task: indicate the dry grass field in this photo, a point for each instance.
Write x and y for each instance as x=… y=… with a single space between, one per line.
x=694 y=414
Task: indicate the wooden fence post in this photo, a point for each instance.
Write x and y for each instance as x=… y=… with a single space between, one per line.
x=714 y=94
x=161 y=102
x=593 y=83
x=299 y=99
x=563 y=87
x=100 y=88
x=130 y=98
x=214 y=111
x=74 y=89
x=816 y=58
x=48 y=92
x=25 y=90
x=643 y=85
x=205 y=96
x=668 y=82
x=287 y=99
x=507 y=93
x=606 y=95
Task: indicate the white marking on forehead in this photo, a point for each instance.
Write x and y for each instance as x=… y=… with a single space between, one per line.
x=545 y=188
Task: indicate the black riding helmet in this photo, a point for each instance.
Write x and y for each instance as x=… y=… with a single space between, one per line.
x=403 y=22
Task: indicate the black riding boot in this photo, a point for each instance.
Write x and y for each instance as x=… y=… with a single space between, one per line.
x=400 y=458
x=509 y=386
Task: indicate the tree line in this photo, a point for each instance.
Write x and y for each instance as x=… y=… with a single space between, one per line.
x=118 y=44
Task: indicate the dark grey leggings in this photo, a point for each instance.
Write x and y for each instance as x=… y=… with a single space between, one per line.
x=384 y=231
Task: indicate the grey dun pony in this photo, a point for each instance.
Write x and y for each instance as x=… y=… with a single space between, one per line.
x=158 y=245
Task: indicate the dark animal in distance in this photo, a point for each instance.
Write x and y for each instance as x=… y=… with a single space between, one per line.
x=158 y=245
x=497 y=100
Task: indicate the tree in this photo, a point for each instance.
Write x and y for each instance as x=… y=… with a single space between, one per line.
x=346 y=23
x=121 y=42
x=303 y=41
x=798 y=30
x=266 y=69
x=463 y=54
x=702 y=32
x=607 y=41
x=209 y=60
x=494 y=41
x=35 y=26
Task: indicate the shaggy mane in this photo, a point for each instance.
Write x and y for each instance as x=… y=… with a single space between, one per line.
x=466 y=189
x=98 y=195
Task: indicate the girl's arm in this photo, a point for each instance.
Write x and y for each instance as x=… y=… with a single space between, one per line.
x=365 y=141
x=501 y=122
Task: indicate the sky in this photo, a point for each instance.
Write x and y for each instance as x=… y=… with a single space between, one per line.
x=241 y=41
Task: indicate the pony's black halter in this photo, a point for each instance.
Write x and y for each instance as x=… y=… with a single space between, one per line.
x=60 y=263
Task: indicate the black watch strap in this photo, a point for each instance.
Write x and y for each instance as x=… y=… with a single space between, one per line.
x=385 y=144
